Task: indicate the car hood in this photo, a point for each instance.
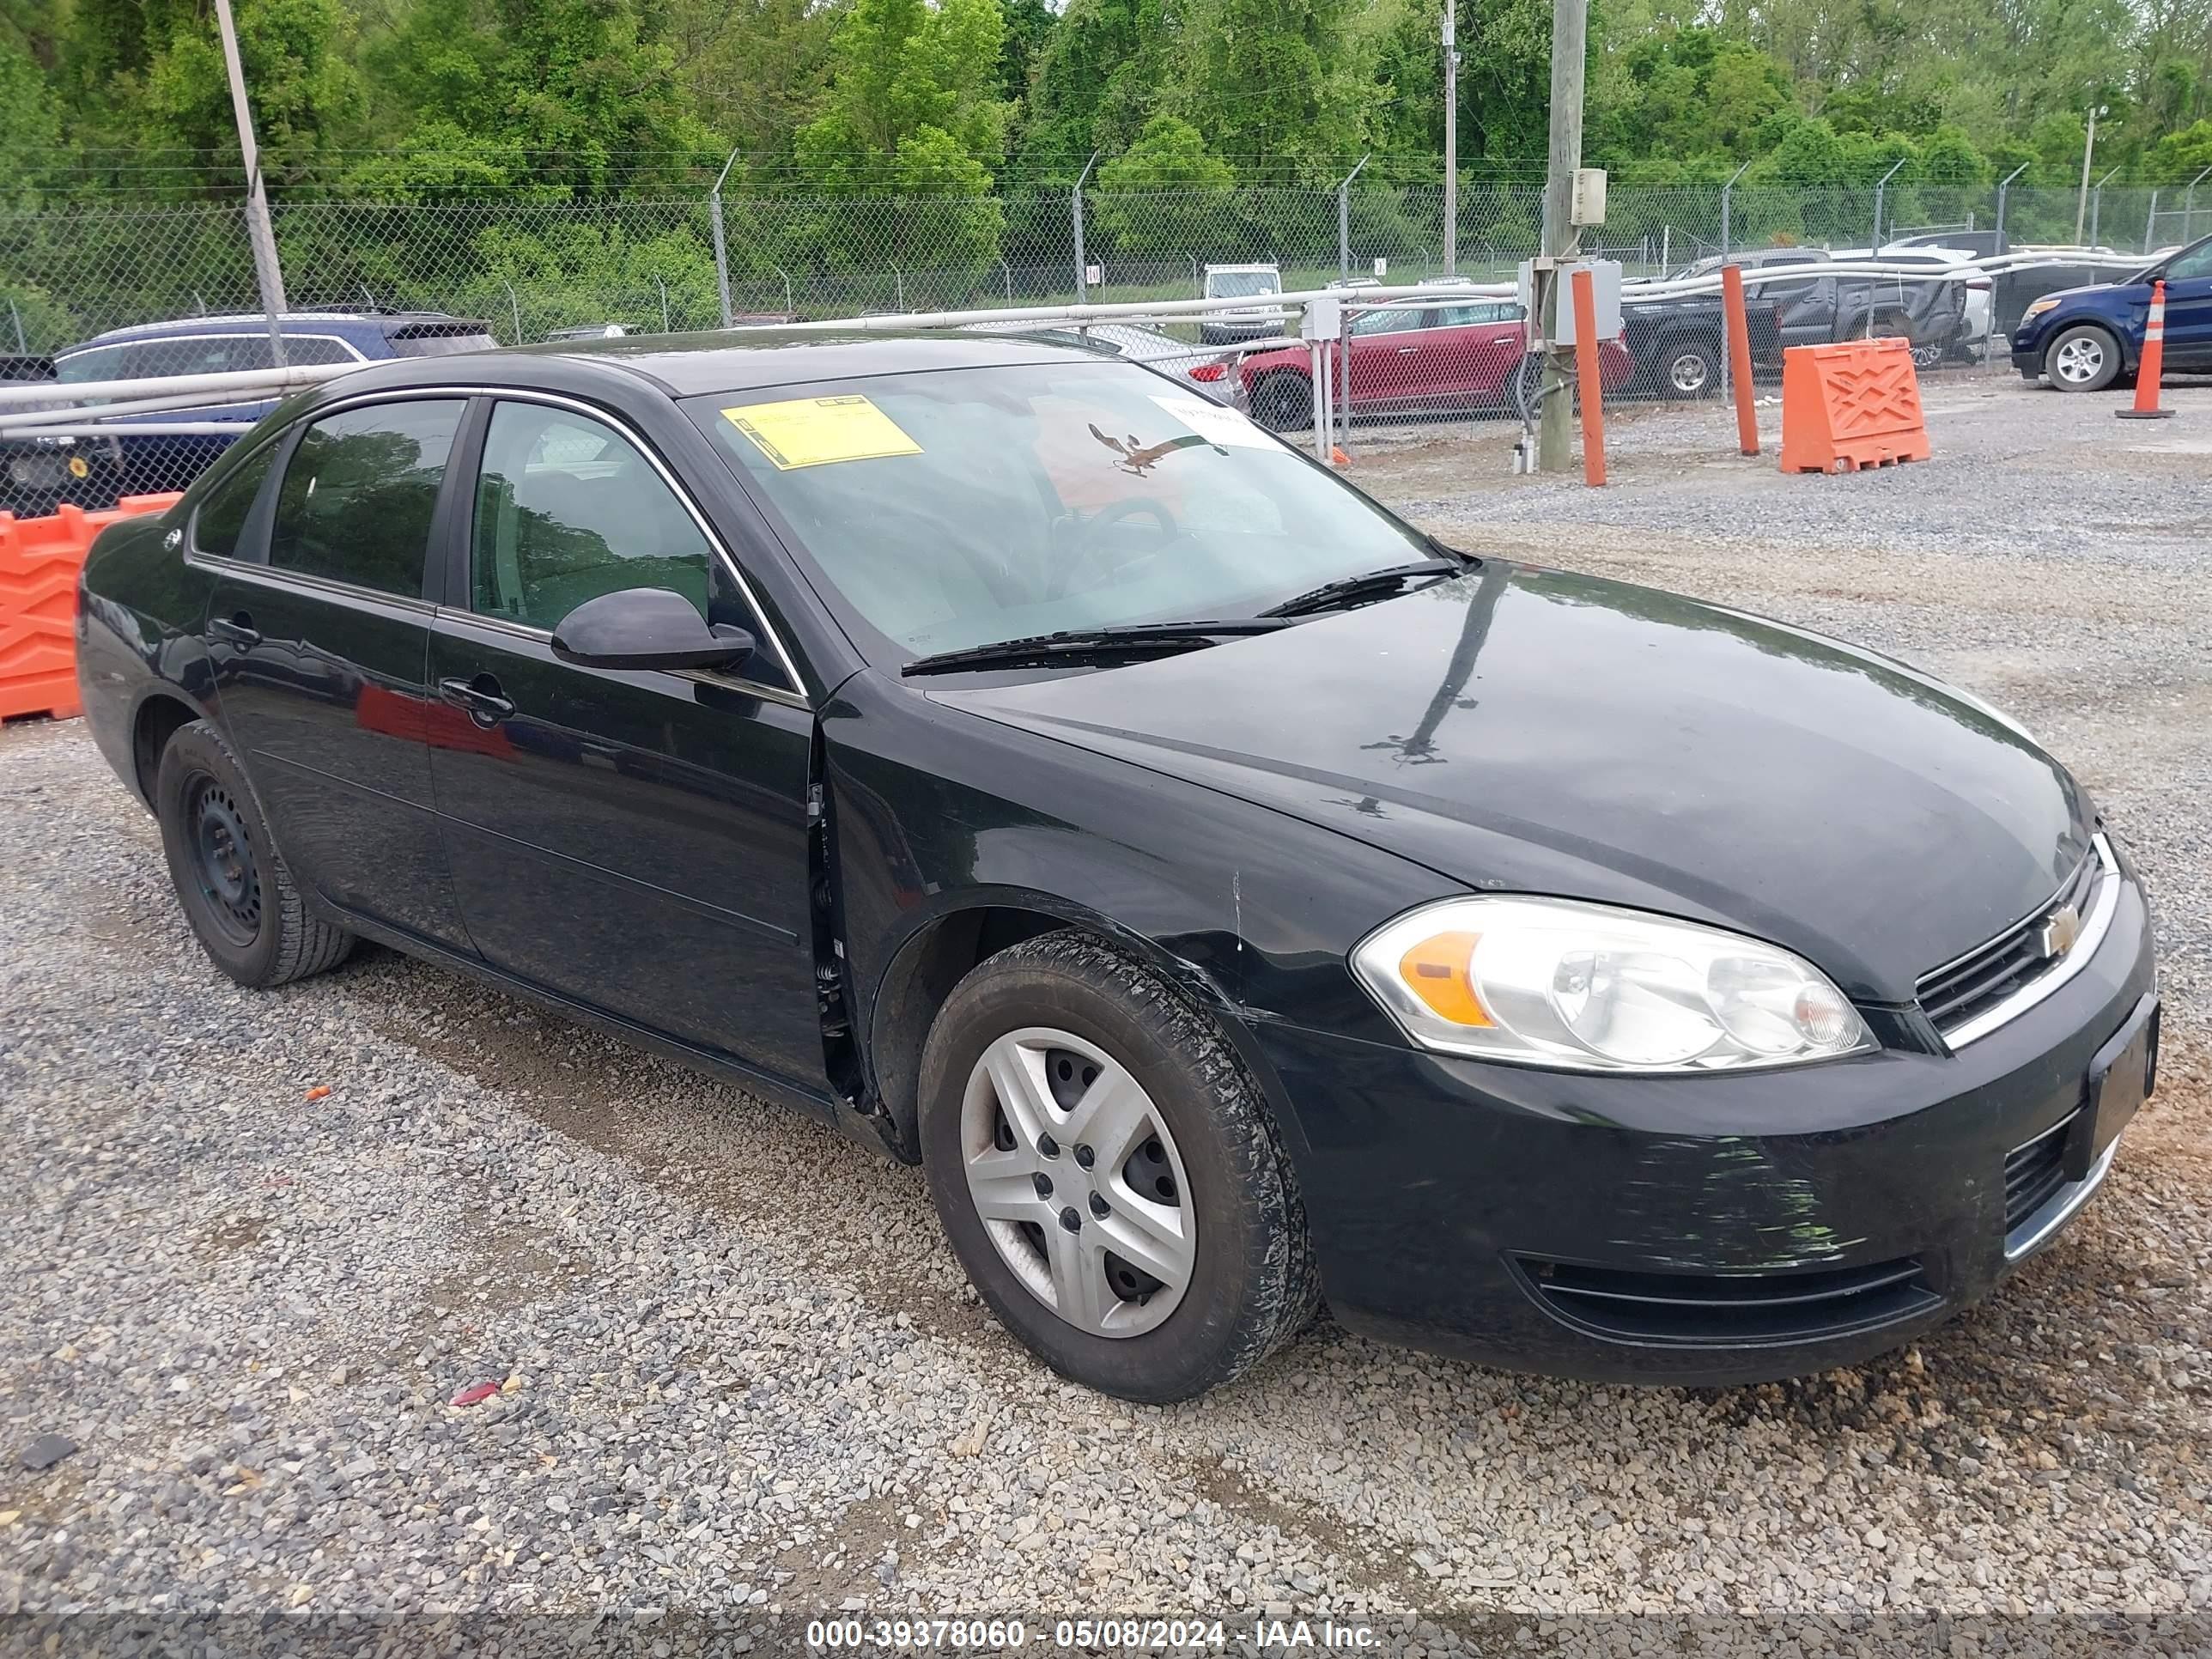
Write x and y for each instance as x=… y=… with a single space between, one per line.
x=2086 y=288
x=1524 y=730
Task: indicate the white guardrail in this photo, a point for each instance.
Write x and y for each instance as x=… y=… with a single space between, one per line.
x=60 y=408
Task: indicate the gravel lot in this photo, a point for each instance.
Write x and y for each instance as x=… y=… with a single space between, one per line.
x=256 y=1242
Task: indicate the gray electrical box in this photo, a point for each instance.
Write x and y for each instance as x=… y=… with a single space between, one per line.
x=1556 y=324
x=1588 y=205
x=1322 y=320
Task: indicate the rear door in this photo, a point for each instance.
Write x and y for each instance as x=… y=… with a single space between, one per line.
x=1386 y=371
x=319 y=627
x=636 y=842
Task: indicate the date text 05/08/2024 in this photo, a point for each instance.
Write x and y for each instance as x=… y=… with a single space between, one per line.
x=1261 y=1635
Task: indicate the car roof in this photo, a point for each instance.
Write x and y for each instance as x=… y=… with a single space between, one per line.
x=296 y=322
x=735 y=360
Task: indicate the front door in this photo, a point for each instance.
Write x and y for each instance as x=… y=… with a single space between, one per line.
x=320 y=629
x=636 y=842
x=2189 y=309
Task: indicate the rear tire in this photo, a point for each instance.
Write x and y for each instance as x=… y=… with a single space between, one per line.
x=236 y=892
x=2082 y=358
x=1283 y=401
x=1061 y=1042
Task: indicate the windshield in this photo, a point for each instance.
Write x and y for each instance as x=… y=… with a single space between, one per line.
x=1241 y=284
x=965 y=506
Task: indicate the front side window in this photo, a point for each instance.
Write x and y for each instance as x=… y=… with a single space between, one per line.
x=1394 y=319
x=359 y=493
x=966 y=507
x=568 y=509
x=96 y=363
x=2192 y=262
x=220 y=519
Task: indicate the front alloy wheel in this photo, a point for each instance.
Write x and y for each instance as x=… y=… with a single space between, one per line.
x=2082 y=359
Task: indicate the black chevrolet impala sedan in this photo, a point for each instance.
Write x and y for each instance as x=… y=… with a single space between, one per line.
x=1230 y=896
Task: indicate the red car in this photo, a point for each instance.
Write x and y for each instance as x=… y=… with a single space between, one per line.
x=1471 y=356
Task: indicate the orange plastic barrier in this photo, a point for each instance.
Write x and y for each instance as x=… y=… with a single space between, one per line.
x=1849 y=405
x=39 y=562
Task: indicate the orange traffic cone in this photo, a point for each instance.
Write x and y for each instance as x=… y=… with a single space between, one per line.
x=2153 y=364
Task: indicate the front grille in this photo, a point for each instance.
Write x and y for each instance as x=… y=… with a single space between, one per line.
x=1727 y=1310
x=2033 y=1173
x=1962 y=991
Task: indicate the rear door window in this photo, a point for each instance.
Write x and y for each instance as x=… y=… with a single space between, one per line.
x=220 y=519
x=359 y=492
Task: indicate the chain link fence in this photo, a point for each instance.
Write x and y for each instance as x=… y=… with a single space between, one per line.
x=523 y=270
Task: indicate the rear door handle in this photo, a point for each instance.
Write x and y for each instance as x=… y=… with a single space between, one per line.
x=480 y=697
x=238 y=630
x=1407 y=352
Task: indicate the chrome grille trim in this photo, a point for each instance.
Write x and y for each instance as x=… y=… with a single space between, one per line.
x=2095 y=924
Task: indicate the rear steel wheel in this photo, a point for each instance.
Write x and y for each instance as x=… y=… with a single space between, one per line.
x=222 y=860
x=1078 y=1181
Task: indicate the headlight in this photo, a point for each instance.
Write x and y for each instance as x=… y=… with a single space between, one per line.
x=1588 y=987
x=2036 y=307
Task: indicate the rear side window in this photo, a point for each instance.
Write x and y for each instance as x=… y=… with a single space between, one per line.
x=316 y=348
x=440 y=339
x=358 y=494
x=221 y=517
x=216 y=354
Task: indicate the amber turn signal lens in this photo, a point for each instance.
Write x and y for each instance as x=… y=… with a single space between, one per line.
x=1435 y=970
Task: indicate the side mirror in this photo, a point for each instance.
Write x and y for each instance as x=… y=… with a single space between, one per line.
x=646 y=628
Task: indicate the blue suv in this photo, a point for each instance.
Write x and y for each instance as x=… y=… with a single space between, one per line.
x=2086 y=338
x=38 y=474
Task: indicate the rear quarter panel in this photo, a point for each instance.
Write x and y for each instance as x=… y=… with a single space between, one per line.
x=140 y=607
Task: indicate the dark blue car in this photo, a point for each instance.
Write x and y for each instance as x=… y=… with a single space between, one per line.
x=40 y=473
x=2086 y=338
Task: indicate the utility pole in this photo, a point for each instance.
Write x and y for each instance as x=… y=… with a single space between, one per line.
x=2088 y=149
x=268 y=274
x=1555 y=433
x=1451 y=137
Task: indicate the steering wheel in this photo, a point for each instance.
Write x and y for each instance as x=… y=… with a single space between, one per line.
x=1090 y=547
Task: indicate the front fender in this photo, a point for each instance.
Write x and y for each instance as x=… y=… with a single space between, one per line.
x=942 y=814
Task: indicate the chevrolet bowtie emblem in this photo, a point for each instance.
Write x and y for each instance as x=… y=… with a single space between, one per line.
x=2060 y=929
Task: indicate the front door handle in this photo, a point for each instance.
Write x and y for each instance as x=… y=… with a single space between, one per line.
x=481 y=697
x=238 y=630
x=1407 y=352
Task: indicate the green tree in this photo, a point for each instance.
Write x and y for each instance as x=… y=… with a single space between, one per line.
x=297 y=56
x=913 y=101
x=563 y=94
x=1166 y=193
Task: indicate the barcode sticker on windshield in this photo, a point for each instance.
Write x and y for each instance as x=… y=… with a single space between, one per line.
x=1217 y=424
x=810 y=431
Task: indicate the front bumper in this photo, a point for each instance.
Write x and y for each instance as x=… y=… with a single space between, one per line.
x=1697 y=1231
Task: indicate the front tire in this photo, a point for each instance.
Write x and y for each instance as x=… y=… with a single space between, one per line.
x=2082 y=358
x=236 y=892
x=1109 y=1174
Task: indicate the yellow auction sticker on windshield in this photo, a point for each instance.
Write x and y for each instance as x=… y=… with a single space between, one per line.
x=811 y=431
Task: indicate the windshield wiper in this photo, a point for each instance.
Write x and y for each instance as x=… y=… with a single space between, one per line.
x=1115 y=644
x=1370 y=585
